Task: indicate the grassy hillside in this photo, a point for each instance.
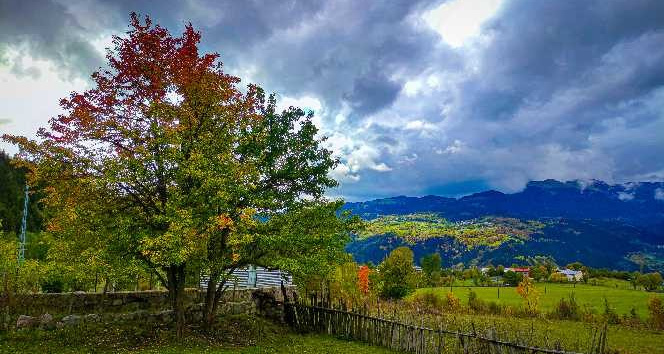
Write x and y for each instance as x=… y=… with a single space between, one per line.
x=501 y=240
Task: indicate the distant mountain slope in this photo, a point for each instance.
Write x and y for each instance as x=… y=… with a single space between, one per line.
x=596 y=223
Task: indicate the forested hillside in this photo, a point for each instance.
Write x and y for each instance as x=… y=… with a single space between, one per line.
x=602 y=225
x=12 y=184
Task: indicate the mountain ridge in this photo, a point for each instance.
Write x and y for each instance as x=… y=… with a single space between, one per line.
x=597 y=223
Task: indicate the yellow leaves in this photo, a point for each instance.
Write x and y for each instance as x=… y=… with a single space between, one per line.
x=181 y=242
x=235 y=257
x=224 y=222
x=529 y=293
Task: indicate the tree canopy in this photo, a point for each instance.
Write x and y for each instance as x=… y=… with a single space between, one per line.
x=168 y=162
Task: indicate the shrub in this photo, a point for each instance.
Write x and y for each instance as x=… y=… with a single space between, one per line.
x=512 y=278
x=610 y=314
x=567 y=309
x=656 y=309
x=52 y=285
x=475 y=303
x=452 y=302
x=558 y=278
x=650 y=281
x=429 y=300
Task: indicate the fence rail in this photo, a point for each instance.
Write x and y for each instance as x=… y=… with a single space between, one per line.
x=408 y=337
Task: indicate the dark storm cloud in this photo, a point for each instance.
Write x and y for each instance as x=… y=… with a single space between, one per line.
x=47 y=30
x=554 y=89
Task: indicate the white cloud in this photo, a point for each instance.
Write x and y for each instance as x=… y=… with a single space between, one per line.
x=659 y=194
x=419 y=125
x=453 y=148
x=625 y=196
x=307 y=103
x=381 y=167
x=459 y=20
x=28 y=102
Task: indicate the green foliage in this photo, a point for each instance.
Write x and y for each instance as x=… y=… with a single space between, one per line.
x=343 y=285
x=567 y=309
x=575 y=266
x=12 y=184
x=397 y=274
x=214 y=180
x=512 y=278
x=431 y=266
x=656 y=310
x=650 y=281
x=539 y=273
x=431 y=263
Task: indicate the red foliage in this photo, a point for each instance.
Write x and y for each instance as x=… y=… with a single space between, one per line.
x=363 y=279
x=147 y=70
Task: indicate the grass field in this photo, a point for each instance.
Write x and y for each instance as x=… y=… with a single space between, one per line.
x=621 y=297
x=239 y=334
x=572 y=335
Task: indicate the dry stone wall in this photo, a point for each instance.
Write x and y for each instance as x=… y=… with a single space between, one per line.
x=48 y=311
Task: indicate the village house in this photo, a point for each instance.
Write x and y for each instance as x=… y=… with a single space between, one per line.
x=572 y=275
x=523 y=271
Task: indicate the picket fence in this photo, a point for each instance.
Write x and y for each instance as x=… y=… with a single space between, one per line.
x=411 y=338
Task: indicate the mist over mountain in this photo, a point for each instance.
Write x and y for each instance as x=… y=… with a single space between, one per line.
x=599 y=224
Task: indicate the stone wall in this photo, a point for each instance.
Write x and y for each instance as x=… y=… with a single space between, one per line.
x=72 y=308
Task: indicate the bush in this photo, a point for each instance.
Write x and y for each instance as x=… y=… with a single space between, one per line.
x=650 y=281
x=656 y=309
x=475 y=303
x=610 y=314
x=558 y=278
x=567 y=309
x=53 y=285
x=452 y=302
x=512 y=278
x=429 y=299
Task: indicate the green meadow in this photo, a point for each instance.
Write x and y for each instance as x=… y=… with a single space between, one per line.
x=620 y=295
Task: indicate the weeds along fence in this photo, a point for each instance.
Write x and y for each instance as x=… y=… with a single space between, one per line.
x=409 y=337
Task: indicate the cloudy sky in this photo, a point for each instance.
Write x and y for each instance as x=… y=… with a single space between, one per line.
x=416 y=97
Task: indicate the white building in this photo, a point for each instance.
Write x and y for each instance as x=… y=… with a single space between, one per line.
x=572 y=275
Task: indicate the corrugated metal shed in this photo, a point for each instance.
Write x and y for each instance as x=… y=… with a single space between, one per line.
x=256 y=277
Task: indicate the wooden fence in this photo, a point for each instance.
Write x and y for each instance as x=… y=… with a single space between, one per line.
x=410 y=338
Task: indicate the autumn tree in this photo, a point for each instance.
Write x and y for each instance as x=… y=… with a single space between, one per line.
x=529 y=294
x=166 y=161
x=363 y=279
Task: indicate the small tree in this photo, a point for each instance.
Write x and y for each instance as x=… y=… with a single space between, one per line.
x=512 y=278
x=397 y=273
x=650 y=281
x=529 y=294
x=539 y=273
x=363 y=279
x=431 y=265
x=634 y=279
x=575 y=266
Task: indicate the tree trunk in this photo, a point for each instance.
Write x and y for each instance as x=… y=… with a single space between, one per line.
x=176 y=278
x=210 y=306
